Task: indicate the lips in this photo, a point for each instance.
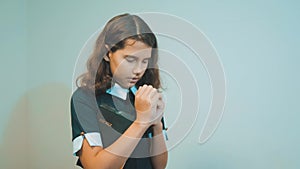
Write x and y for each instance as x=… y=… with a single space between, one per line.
x=134 y=80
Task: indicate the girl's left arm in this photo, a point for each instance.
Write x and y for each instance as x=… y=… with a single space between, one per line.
x=158 y=148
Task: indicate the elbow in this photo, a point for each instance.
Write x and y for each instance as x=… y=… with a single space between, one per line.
x=103 y=162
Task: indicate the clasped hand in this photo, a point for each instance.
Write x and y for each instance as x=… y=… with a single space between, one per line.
x=149 y=105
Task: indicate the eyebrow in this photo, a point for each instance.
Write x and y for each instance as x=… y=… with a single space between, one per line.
x=136 y=57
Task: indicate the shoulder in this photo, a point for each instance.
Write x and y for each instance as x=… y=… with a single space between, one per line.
x=82 y=93
x=83 y=101
x=83 y=97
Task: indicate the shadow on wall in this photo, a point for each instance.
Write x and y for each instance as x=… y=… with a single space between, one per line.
x=38 y=134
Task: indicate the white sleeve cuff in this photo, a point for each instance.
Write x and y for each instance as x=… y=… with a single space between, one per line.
x=94 y=139
x=165 y=135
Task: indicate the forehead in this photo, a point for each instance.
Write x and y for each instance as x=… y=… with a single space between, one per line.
x=136 y=48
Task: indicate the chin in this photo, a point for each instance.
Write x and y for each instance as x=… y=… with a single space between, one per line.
x=131 y=85
x=127 y=85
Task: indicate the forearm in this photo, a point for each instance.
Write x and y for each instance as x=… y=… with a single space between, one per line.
x=158 y=149
x=115 y=155
x=125 y=145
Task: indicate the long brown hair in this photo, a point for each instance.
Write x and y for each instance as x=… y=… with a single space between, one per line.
x=114 y=35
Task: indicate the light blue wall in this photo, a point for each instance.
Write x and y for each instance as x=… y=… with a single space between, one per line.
x=13 y=56
x=258 y=44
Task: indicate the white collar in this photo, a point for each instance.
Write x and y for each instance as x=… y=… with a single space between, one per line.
x=119 y=91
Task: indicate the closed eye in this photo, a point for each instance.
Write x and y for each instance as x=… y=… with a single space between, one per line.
x=145 y=61
x=130 y=58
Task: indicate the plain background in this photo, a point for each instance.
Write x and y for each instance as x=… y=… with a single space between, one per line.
x=258 y=44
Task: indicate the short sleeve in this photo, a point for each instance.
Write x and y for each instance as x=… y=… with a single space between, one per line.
x=164 y=129
x=84 y=119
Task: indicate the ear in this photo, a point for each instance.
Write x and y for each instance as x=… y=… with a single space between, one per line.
x=106 y=57
x=108 y=54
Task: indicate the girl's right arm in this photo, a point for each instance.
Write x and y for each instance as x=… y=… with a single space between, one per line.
x=115 y=155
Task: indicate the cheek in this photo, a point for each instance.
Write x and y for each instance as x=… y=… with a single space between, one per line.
x=120 y=67
x=144 y=67
x=112 y=67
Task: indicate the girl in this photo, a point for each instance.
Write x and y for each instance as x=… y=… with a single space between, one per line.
x=117 y=110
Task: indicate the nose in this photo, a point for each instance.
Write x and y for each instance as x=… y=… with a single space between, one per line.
x=138 y=68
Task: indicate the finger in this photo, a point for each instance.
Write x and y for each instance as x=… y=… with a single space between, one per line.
x=160 y=104
x=160 y=96
x=153 y=93
x=148 y=90
x=160 y=107
x=141 y=90
x=155 y=97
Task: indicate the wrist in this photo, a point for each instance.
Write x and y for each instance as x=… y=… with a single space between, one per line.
x=157 y=128
x=141 y=124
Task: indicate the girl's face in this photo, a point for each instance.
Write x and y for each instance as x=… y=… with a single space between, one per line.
x=129 y=64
